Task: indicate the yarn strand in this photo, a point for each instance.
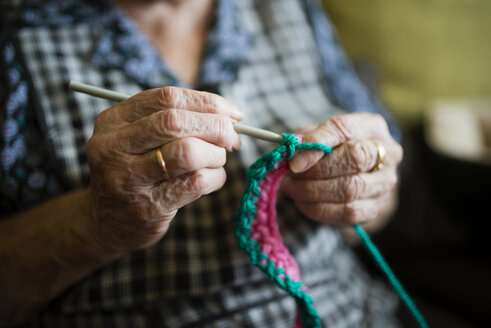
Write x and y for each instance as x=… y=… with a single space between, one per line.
x=389 y=274
x=258 y=235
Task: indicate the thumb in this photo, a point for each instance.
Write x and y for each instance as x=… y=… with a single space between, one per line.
x=324 y=134
x=337 y=130
x=304 y=160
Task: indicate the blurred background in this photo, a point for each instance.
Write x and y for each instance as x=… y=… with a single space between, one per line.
x=429 y=62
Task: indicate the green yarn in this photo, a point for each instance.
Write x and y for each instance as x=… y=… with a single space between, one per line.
x=379 y=259
x=256 y=173
x=247 y=210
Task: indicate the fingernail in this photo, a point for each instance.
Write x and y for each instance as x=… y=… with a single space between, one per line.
x=298 y=164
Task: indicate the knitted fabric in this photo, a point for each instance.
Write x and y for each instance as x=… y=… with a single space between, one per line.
x=258 y=234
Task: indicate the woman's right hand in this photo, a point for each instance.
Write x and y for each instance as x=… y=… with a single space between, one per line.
x=132 y=202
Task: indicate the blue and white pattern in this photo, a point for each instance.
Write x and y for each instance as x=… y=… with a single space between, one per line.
x=122 y=46
x=261 y=55
x=227 y=46
x=26 y=179
x=60 y=13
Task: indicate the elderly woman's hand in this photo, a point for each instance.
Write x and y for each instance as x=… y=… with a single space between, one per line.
x=132 y=200
x=344 y=188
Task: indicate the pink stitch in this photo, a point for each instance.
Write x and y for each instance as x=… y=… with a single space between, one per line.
x=265 y=230
x=265 y=227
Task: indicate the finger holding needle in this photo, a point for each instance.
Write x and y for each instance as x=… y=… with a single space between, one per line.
x=117 y=96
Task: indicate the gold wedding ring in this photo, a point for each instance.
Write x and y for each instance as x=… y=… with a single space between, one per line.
x=381 y=152
x=161 y=163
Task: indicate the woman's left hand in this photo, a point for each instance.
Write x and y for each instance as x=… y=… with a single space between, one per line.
x=345 y=187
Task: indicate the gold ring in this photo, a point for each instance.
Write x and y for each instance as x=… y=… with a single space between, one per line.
x=381 y=152
x=161 y=162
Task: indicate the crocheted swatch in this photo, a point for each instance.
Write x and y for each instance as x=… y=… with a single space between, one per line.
x=258 y=234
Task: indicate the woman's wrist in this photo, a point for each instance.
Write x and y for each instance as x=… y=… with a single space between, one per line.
x=86 y=234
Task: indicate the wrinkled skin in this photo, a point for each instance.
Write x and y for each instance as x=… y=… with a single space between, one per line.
x=340 y=188
x=132 y=202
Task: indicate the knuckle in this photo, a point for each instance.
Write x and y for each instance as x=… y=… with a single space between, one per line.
x=198 y=182
x=359 y=153
x=353 y=186
x=171 y=96
x=101 y=120
x=224 y=130
x=380 y=122
x=173 y=121
x=211 y=101
x=342 y=125
x=184 y=154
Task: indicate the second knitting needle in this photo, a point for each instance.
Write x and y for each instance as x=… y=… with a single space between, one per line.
x=117 y=96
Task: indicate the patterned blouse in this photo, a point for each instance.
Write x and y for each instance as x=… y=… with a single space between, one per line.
x=195 y=276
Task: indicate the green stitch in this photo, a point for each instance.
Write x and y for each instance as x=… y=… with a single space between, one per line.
x=256 y=173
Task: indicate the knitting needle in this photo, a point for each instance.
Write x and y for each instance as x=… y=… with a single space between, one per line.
x=117 y=96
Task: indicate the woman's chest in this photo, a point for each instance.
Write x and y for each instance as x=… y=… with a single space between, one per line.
x=279 y=84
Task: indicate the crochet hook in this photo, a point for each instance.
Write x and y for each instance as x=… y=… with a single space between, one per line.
x=117 y=96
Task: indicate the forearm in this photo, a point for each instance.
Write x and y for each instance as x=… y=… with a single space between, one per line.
x=43 y=251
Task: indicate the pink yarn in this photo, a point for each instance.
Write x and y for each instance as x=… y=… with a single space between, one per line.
x=258 y=233
x=265 y=228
